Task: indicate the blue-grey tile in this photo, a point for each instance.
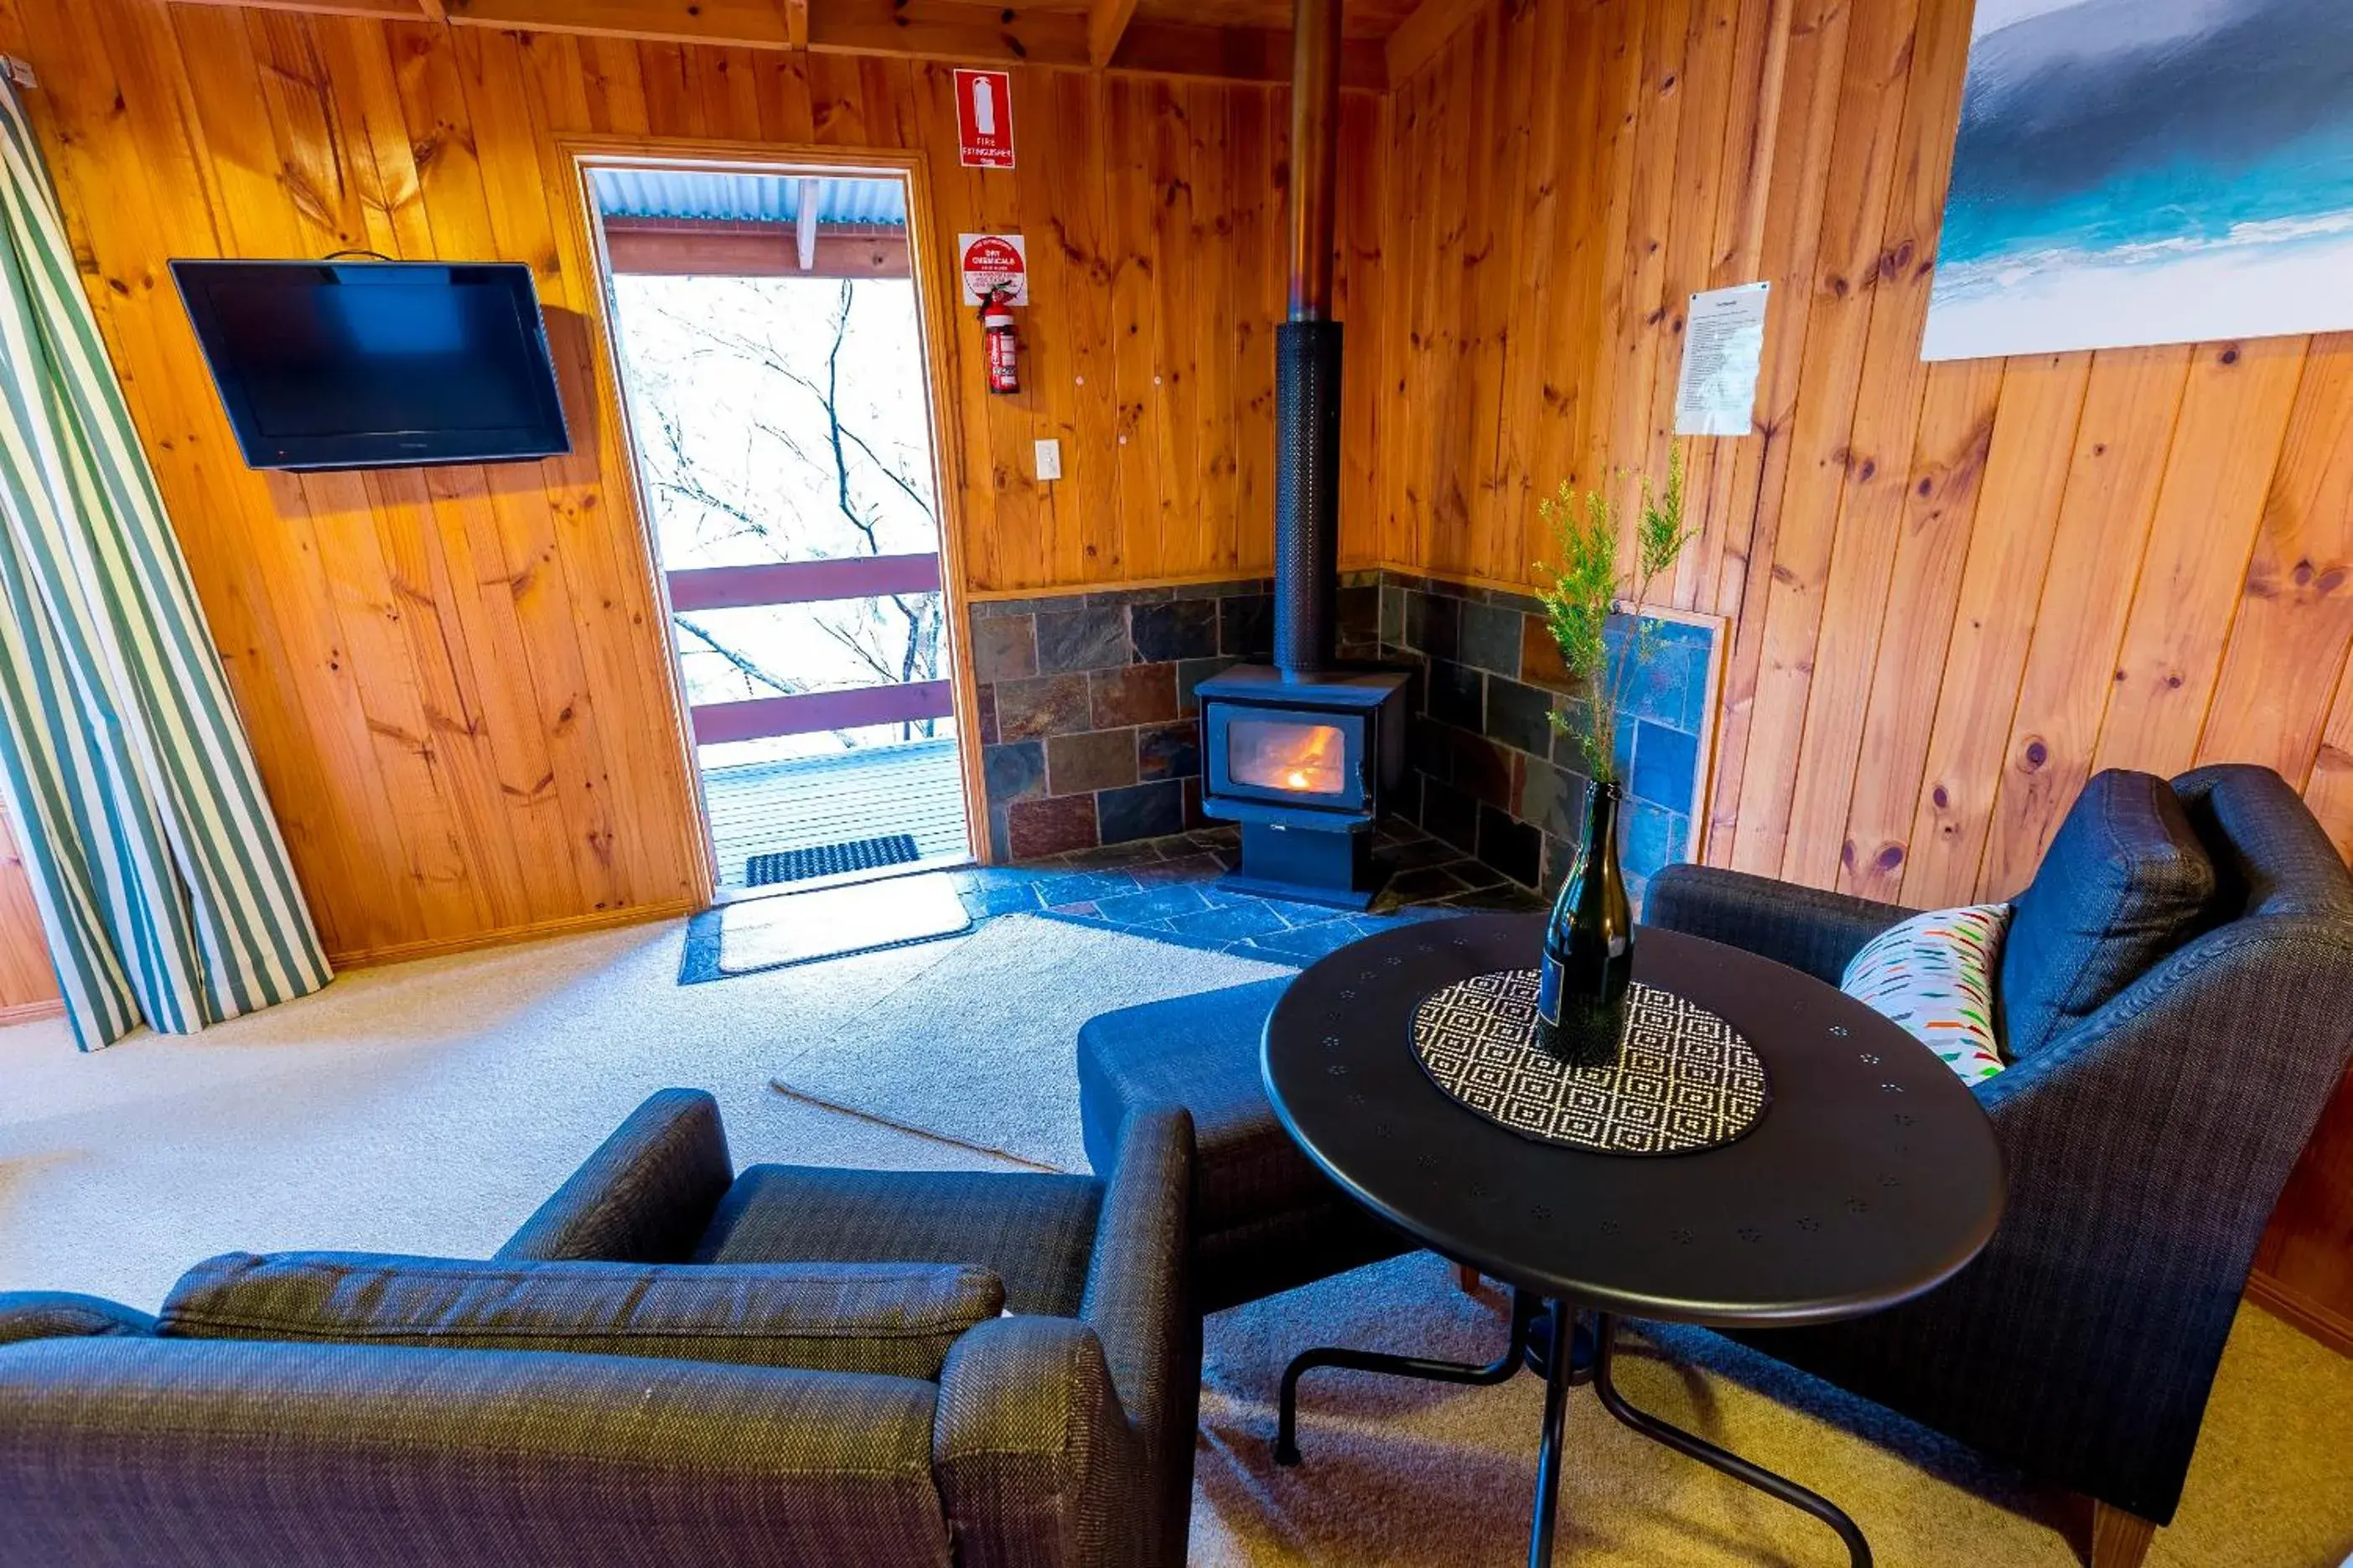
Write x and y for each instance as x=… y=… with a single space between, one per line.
x=1442 y=626
x=1305 y=941
x=1458 y=695
x=1202 y=865
x=1490 y=638
x=1653 y=839
x=1141 y=811
x=1666 y=767
x=1519 y=716
x=1553 y=799
x=1392 y=615
x=1190 y=673
x=1013 y=770
x=1245 y=625
x=1004 y=647
x=992 y=898
x=1168 y=751
x=1448 y=813
x=1083 y=886
x=1231 y=923
x=1510 y=846
x=1152 y=904
x=1655 y=690
x=1181 y=628
x=1091 y=638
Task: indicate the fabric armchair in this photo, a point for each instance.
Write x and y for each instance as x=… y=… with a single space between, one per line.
x=647 y=1193
x=1057 y=1438
x=2144 y=1149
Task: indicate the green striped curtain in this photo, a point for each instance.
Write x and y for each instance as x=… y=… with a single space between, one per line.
x=163 y=882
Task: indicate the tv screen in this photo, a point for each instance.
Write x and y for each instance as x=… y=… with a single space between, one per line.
x=374 y=364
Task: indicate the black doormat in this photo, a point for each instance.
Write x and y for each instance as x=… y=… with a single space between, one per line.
x=831 y=859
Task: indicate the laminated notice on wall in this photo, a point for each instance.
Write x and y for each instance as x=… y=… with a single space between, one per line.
x=1724 y=342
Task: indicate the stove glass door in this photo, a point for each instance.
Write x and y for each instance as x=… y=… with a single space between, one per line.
x=1287 y=754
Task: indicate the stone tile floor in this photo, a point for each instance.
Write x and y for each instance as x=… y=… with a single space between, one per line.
x=1169 y=889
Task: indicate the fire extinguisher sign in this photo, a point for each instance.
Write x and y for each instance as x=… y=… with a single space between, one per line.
x=984 y=118
x=990 y=262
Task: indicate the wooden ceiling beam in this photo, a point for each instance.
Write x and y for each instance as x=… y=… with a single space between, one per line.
x=1107 y=22
x=947 y=30
x=372 y=10
x=1418 y=38
x=1238 y=54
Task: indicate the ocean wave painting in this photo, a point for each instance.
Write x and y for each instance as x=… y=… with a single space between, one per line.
x=2148 y=172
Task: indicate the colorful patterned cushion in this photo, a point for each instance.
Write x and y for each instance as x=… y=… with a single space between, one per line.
x=1933 y=974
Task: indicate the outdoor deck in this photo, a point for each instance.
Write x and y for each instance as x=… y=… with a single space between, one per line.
x=913 y=788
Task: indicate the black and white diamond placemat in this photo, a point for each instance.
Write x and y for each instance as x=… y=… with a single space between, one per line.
x=1685 y=1080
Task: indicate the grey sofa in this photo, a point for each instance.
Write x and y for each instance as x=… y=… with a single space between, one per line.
x=2145 y=1144
x=1060 y=1433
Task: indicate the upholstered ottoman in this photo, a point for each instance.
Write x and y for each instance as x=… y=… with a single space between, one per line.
x=1264 y=1219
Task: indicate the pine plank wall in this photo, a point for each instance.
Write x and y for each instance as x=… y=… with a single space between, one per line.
x=1956 y=590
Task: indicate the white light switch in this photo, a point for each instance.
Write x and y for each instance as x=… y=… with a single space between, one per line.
x=1050 y=460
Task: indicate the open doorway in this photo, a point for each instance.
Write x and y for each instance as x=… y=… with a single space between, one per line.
x=769 y=343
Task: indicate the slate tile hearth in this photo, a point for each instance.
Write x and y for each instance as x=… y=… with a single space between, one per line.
x=1167 y=888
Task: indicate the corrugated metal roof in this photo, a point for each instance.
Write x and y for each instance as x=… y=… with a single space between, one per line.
x=765 y=198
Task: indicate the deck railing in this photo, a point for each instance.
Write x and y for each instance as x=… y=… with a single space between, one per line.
x=808 y=582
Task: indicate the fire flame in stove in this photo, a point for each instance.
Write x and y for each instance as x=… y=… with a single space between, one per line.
x=1304 y=759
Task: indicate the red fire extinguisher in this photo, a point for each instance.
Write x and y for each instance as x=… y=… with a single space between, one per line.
x=996 y=327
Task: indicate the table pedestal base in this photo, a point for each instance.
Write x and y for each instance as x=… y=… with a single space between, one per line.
x=1571 y=1357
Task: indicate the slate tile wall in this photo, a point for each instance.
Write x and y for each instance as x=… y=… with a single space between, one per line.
x=1091 y=731
x=1489 y=775
x=1089 y=728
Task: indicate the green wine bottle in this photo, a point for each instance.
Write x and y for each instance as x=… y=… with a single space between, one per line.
x=1588 y=946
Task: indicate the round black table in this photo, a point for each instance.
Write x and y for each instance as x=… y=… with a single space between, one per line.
x=1871 y=1177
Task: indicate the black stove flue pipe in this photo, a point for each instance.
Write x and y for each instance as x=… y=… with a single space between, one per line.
x=1307 y=362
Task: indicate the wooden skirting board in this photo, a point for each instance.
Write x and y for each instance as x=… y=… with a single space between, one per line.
x=573 y=925
x=30 y=1012
x=2331 y=1327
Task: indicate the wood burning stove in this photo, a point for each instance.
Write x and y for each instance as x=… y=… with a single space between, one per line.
x=1300 y=753
x=1302 y=763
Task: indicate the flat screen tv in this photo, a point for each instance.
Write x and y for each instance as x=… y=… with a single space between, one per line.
x=377 y=364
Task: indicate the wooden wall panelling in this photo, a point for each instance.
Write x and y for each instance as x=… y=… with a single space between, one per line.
x=2129 y=410
x=1823 y=462
x=1688 y=248
x=1641 y=309
x=1365 y=196
x=1129 y=198
x=1528 y=268
x=1880 y=443
x=1073 y=230
x=1752 y=81
x=1810 y=54
x=2200 y=544
x=2295 y=613
x=1254 y=236
x=1217 y=436
x=2304 y=1268
x=1173 y=395
x=1950 y=461
x=1493 y=246
x=2026 y=475
x=28 y=987
x=2329 y=792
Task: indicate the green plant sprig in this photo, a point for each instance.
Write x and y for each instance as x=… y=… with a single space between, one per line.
x=1587 y=585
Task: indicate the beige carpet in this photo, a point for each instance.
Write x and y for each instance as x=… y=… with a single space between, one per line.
x=979 y=1047
x=428 y=1108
